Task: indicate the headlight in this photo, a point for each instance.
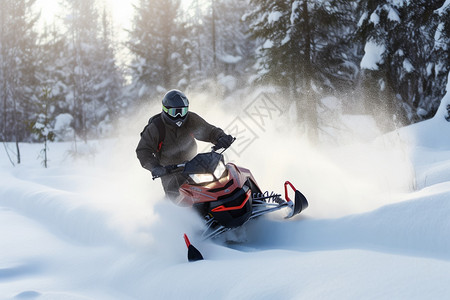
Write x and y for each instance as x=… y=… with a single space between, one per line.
x=202 y=178
x=207 y=177
x=218 y=172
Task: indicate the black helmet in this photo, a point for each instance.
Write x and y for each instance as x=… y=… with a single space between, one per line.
x=175 y=106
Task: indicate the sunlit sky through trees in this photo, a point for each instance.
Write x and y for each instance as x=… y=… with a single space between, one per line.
x=121 y=11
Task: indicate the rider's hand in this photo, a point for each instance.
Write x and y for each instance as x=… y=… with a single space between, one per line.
x=224 y=141
x=158 y=171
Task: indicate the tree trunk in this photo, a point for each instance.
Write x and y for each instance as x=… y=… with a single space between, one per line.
x=214 y=38
x=310 y=98
x=18 y=152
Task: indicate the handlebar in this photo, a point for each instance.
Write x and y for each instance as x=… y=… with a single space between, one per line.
x=215 y=148
x=171 y=169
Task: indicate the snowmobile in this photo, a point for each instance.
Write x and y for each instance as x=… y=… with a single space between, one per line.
x=227 y=196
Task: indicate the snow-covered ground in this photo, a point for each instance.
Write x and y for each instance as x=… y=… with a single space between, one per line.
x=97 y=227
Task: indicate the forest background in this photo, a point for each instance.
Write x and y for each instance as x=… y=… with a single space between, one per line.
x=81 y=76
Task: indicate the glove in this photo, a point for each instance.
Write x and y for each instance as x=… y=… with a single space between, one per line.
x=224 y=141
x=158 y=171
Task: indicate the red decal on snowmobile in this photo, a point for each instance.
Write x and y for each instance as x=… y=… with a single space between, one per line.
x=223 y=208
x=186 y=240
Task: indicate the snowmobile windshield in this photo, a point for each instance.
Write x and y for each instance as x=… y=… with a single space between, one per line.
x=205 y=167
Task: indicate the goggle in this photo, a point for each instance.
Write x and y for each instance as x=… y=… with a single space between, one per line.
x=173 y=112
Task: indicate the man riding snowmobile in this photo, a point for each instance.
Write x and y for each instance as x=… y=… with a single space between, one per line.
x=169 y=139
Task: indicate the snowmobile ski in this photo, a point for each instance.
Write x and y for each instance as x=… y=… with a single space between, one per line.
x=193 y=253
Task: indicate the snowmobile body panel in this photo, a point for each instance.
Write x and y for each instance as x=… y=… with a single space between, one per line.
x=228 y=200
x=235 y=179
x=227 y=196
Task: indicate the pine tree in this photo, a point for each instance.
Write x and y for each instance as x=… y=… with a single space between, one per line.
x=93 y=80
x=441 y=53
x=110 y=85
x=156 y=46
x=234 y=48
x=400 y=87
x=419 y=87
x=194 y=33
x=82 y=32
x=378 y=22
x=53 y=69
x=269 y=23
x=41 y=124
x=303 y=48
x=17 y=69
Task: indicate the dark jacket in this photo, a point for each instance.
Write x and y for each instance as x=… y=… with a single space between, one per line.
x=179 y=143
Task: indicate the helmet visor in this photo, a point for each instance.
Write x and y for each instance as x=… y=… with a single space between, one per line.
x=175 y=111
